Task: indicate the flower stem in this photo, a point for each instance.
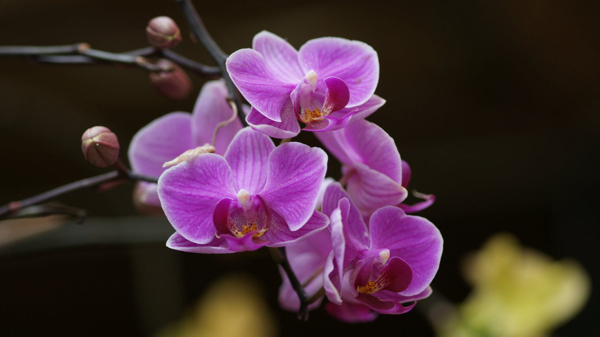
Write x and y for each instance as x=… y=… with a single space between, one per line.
x=219 y=57
x=81 y=53
x=120 y=173
x=302 y=295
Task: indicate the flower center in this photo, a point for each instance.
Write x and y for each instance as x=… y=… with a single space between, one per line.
x=249 y=215
x=309 y=115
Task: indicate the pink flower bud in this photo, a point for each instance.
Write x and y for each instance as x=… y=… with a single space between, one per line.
x=162 y=32
x=100 y=146
x=174 y=84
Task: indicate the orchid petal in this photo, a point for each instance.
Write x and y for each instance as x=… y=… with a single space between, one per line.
x=294 y=175
x=279 y=55
x=366 y=109
x=245 y=243
x=413 y=239
x=247 y=156
x=287 y=128
x=189 y=193
x=429 y=199
x=354 y=62
x=371 y=145
x=211 y=109
x=279 y=234
x=350 y=312
x=216 y=246
x=162 y=140
x=257 y=83
x=332 y=283
x=355 y=229
x=371 y=190
x=336 y=143
x=406 y=173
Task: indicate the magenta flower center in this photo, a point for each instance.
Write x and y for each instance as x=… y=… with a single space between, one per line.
x=249 y=215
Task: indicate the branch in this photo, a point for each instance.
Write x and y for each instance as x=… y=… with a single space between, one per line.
x=82 y=54
x=121 y=173
x=219 y=57
x=302 y=295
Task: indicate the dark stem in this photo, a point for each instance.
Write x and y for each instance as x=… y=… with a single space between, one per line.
x=193 y=66
x=33 y=51
x=302 y=295
x=14 y=207
x=219 y=57
x=81 y=53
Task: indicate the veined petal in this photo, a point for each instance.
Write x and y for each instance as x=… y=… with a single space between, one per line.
x=336 y=143
x=216 y=246
x=287 y=128
x=365 y=110
x=162 y=140
x=211 y=109
x=350 y=312
x=279 y=234
x=295 y=173
x=332 y=283
x=371 y=190
x=280 y=56
x=355 y=229
x=247 y=156
x=372 y=146
x=413 y=239
x=255 y=80
x=354 y=62
x=189 y=193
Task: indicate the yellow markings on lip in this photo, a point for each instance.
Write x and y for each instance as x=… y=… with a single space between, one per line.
x=374 y=286
x=250 y=227
x=311 y=115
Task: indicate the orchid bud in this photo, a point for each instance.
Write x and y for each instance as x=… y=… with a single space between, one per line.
x=162 y=32
x=174 y=84
x=100 y=146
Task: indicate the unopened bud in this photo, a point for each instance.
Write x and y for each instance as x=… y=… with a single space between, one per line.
x=162 y=32
x=174 y=84
x=100 y=146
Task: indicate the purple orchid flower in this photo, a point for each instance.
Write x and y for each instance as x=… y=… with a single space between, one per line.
x=327 y=84
x=372 y=166
x=255 y=195
x=428 y=199
x=382 y=267
x=171 y=135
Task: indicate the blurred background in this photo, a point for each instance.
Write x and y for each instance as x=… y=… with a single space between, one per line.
x=494 y=104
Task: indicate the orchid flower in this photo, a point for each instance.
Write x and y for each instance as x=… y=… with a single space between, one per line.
x=171 y=135
x=382 y=267
x=371 y=165
x=327 y=84
x=255 y=195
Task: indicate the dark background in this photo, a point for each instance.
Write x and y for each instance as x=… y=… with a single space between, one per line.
x=495 y=104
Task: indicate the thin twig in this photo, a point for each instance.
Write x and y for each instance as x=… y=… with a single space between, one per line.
x=9 y=210
x=192 y=66
x=82 y=54
x=302 y=295
x=219 y=57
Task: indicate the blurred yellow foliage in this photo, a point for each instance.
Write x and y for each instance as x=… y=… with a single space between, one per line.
x=517 y=292
x=233 y=306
